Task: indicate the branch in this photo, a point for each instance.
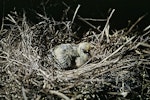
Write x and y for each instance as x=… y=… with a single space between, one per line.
x=59 y=94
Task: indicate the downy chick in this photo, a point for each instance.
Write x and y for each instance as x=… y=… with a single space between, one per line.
x=64 y=54
x=83 y=51
x=68 y=56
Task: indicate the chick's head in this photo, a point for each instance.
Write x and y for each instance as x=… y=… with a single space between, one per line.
x=84 y=48
x=84 y=53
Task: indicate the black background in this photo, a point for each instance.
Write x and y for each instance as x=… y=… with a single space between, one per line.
x=125 y=10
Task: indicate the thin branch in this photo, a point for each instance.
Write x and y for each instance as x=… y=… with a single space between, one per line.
x=59 y=94
x=24 y=94
x=106 y=25
x=82 y=19
x=147 y=28
x=117 y=49
x=75 y=13
x=97 y=20
x=88 y=23
x=139 y=19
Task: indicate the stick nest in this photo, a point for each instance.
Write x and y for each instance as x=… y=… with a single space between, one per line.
x=118 y=68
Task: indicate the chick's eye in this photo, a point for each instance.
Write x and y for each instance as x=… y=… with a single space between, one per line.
x=85 y=51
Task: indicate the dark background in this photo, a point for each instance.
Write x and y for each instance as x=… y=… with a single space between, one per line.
x=125 y=10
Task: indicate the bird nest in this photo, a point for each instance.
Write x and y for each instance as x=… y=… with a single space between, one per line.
x=118 y=68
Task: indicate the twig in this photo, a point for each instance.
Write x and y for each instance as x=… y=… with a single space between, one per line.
x=82 y=19
x=147 y=28
x=117 y=49
x=91 y=25
x=24 y=94
x=75 y=13
x=2 y=26
x=106 y=25
x=11 y=19
x=146 y=33
x=139 y=19
x=97 y=20
x=111 y=69
x=59 y=94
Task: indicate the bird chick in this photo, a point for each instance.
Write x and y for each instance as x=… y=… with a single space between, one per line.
x=63 y=55
x=83 y=51
x=67 y=56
